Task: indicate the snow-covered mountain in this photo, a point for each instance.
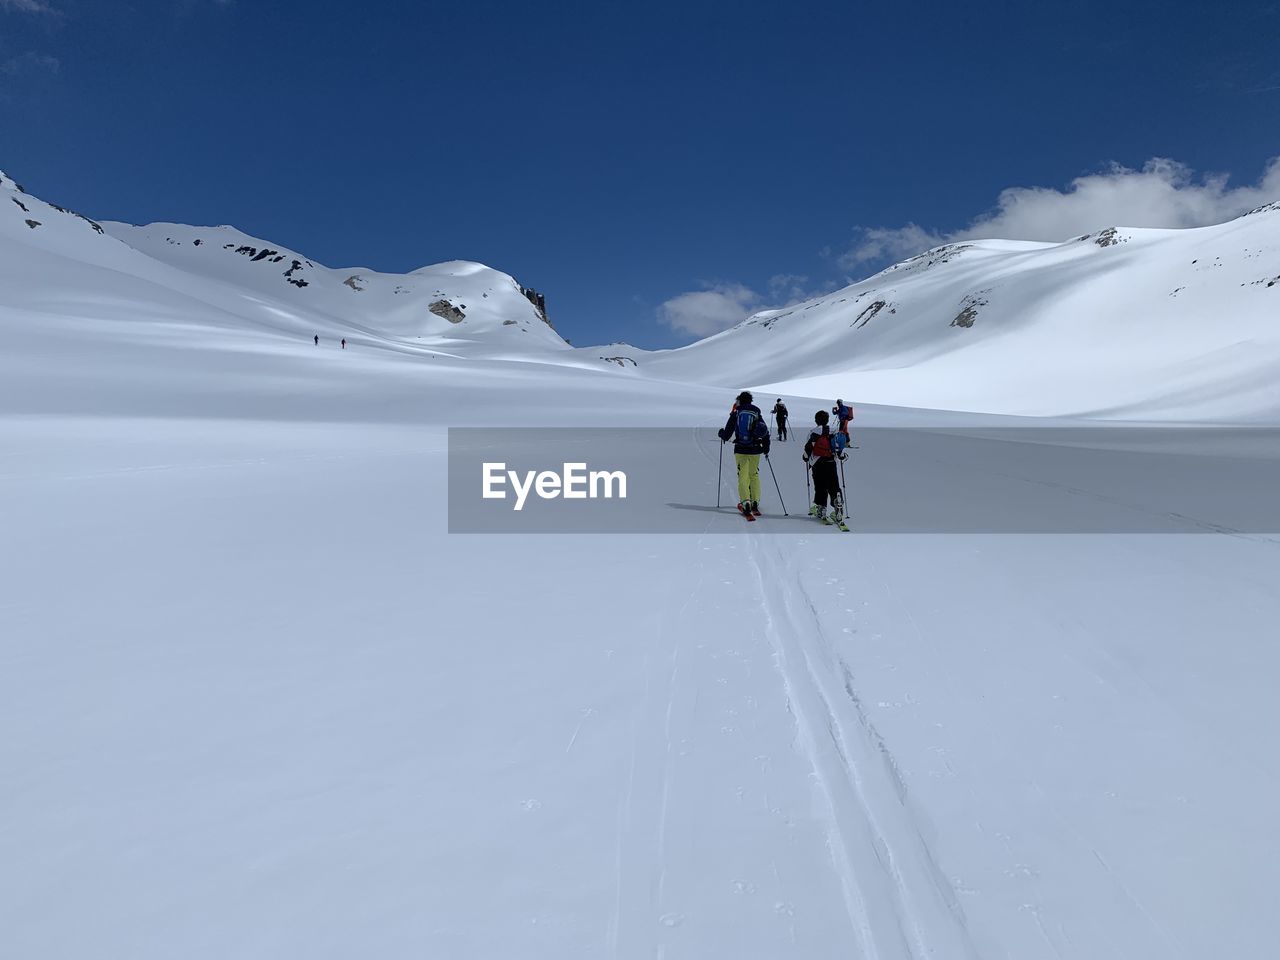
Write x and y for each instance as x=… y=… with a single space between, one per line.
x=199 y=275
x=1176 y=323
x=1130 y=323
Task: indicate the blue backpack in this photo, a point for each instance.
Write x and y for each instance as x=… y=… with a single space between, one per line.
x=747 y=428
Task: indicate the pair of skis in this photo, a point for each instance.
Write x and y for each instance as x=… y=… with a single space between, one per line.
x=830 y=521
x=838 y=524
x=750 y=517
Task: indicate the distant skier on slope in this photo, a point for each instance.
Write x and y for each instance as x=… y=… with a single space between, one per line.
x=344 y=343
x=750 y=436
x=316 y=338
x=780 y=416
x=821 y=451
x=843 y=413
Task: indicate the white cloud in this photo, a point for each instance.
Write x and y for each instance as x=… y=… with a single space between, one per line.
x=1164 y=193
x=704 y=312
x=893 y=243
x=721 y=305
x=26 y=6
x=28 y=62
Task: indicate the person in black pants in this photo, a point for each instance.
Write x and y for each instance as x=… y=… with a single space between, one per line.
x=821 y=451
x=780 y=415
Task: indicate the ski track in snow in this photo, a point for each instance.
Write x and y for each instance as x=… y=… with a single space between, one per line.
x=907 y=910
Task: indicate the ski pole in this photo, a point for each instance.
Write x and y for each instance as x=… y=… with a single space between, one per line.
x=775 y=485
x=807 y=490
x=720 y=475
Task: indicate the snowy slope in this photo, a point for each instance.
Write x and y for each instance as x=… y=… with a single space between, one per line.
x=489 y=304
x=206 y=312
x=58 y=263
x=1124 y=322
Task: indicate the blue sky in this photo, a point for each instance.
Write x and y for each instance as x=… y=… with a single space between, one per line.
x=657 y=169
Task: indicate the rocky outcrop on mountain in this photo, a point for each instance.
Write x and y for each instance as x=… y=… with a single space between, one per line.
x=539 y=302
x=445 y=309
x=969 y=308
x=868 y=313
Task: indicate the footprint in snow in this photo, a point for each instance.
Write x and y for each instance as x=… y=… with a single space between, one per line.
x=671 y=919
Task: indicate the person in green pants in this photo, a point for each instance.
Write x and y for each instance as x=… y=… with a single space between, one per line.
x=750 y=436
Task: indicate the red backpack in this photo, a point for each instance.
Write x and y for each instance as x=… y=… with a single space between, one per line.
x=822 y=445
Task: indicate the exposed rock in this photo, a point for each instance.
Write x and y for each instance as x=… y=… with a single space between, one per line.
x=21 y=204
x=766 y=322
x=620 y=361
x=1109 y=237
x=930 y=258
x=865 y=317
x=33 y=224
x=443 y=308
x=970 y=306
x=539 y=302
x=71 y=213
x=353 y=282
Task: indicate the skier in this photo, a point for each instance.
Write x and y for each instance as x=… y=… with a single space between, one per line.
x=844 y=414
x=316 y=338
x=344 y=343
x=821 y=451
x=750 y=436
x=780 y=415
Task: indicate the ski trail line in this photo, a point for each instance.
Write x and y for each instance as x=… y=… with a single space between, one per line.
x=899 y=902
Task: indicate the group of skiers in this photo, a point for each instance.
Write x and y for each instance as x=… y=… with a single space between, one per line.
x=316 y=339
x=823 y=448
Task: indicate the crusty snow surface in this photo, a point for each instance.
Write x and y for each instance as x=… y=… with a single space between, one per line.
x=255 y=701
